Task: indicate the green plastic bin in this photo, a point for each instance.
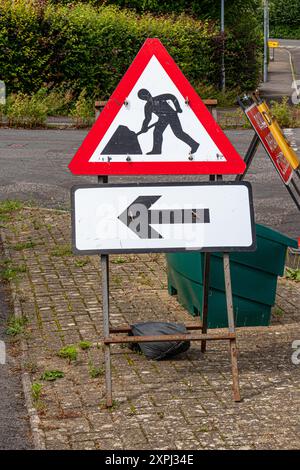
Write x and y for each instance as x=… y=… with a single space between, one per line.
x=254 y=280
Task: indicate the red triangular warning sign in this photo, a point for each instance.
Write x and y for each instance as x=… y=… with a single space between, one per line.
x=155 y=123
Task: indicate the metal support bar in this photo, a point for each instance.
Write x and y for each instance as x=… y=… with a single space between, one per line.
x=196 y=325
x=231 y=327
x=295 y=187
x=163 y=338
x=104 y=261
x=205 y=298
x=293 y=196
x=252 y=149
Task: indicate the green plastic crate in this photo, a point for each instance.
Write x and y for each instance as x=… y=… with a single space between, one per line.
x=254 y=280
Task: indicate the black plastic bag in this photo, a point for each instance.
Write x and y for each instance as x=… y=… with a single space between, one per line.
x=160 y=349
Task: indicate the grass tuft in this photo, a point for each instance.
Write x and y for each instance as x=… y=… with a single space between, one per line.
x=62 y=250
x=15 y=326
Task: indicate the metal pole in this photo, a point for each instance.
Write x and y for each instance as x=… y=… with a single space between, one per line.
x=249 y=156
x=104 y=261
x=231 y=328
x=223 y=83
x=266 y=15
x=205 y=293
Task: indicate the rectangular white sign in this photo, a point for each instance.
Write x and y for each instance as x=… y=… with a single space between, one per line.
x=162 y=217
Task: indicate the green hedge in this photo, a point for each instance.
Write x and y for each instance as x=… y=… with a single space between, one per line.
x=78 y=46
x=285 y=19
x=202 y=9
x=285 y=32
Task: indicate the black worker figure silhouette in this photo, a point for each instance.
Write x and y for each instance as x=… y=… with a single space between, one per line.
x=167 y=116
x=125 y=142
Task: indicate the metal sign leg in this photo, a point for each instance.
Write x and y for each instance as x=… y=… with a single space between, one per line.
x=105 y=308
x=104 y=261
x=231 y=327
x=205 y=298
x=249 y=156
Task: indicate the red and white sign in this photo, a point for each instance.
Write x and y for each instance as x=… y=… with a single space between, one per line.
x=155 y=123
x=270 y=144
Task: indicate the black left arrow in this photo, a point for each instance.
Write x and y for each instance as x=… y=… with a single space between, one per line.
x=138 y=217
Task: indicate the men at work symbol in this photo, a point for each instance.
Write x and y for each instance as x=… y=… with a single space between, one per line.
x=167 y=116
x=125 y=142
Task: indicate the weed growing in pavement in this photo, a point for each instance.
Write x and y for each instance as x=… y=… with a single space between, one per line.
x=31 y=367
x=10 y=205
x=62 y=250
x=95 y=371
x=144 y=279
x=113 y=407
x=24 y=245
x=79 y=263
x=85 y=345
x=36 y=390
x=118 y=260
x=69 y=352
x=132 y=409
x=7 y=208
x=16 y=325
x=117 y=280
x=37 y=225
x=52 y=375
x=129 y=360
x=278 y=312
x=293 y=274
x=10 y=272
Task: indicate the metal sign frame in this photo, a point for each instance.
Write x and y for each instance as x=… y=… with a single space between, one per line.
x=111 y=334
x=290 y=182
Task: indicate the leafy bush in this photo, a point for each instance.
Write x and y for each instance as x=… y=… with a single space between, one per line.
x=83 y=112
x=57 y=102
x=282 y=112
x=78 y=46
x=26 y=111
x=199 y=8
x=285 y=31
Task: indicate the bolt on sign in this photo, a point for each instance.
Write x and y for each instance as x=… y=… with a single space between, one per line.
x=155 y=123
x=162 y=217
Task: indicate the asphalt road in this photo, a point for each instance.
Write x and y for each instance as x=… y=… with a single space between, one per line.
x=14 y=421
x=34 y=168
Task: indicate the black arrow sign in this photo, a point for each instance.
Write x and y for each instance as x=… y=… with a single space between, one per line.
x=139 y=217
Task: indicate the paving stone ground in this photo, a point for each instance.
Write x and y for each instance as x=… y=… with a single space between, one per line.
x=184 y=403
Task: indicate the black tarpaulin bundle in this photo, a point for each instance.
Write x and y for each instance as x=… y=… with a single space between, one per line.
x=160 y=349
